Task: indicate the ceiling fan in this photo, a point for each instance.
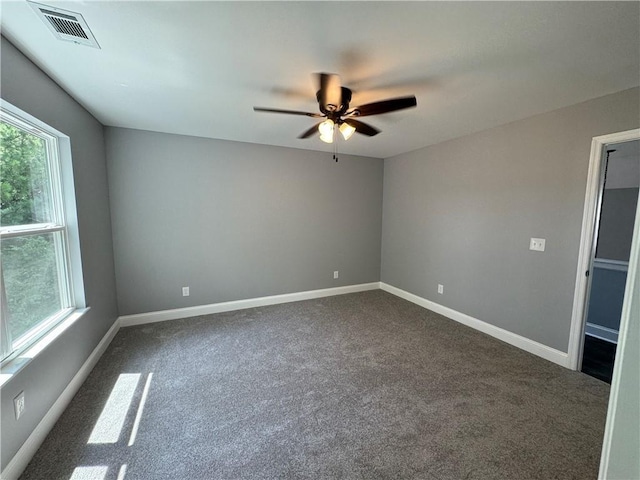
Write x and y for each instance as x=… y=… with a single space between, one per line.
x=333 y=101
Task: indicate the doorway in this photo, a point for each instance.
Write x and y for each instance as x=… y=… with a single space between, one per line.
x=610 y=204
x=610 y=263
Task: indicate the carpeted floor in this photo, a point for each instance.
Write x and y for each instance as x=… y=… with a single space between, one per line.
x=365 y=385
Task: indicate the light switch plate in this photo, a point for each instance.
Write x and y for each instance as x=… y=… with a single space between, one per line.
x=537 y=244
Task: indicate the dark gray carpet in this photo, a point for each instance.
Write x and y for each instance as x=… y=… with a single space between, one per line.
x=354 y=386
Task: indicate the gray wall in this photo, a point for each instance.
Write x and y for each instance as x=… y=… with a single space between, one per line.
x=624 y=408
x=614 y=243
x=461 y=213
x=236 y=220
x=616 y=223
x=606 y=296
x=29 y=89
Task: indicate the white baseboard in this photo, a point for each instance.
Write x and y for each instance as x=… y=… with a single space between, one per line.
x=603 y=333
x=548 y=353
x=19 y=462
x=177 y=313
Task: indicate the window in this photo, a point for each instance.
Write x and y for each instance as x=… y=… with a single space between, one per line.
x=35 y=273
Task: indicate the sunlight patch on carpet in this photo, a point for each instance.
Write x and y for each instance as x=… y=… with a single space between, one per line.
x=143 y=400
x=89 y=473
x=114 y=413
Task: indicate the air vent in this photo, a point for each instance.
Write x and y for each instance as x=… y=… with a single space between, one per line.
x=65 y=25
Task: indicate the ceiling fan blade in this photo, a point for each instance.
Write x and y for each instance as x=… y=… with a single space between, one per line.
x=310 y=132
x=385 y=106
x=362 y=128
x=330 y=93
x=290 y=112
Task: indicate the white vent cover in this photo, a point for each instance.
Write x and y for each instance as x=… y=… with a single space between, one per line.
x=65 y=25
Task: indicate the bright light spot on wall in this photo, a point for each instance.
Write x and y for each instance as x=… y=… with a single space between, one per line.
x=89 y=473
x=114 y=413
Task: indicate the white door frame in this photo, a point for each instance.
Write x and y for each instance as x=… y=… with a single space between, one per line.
x=590 y=219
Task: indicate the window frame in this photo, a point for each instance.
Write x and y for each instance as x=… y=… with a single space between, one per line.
x=63 y=227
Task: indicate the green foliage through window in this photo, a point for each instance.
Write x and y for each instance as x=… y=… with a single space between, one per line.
x=24 y=191
x=30 y=260
x=31 y=280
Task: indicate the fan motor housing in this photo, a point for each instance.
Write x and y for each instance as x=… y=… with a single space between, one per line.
x=340 y=109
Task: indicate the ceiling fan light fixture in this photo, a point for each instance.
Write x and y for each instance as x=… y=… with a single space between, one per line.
x=346 y=130
x=326 y=130
x=326 y=127
x=326 y=138
x=333 y=103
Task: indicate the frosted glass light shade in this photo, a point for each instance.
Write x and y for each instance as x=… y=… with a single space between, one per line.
x=326 y=138
x=346 y=130
x=326 y=131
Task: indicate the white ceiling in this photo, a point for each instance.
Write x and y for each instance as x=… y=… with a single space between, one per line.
x=198 y=68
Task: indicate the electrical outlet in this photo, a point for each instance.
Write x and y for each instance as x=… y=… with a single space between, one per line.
x=336 y=274
x=440 y=289
x=18 y=405
x=185 y=291
x=537 y=244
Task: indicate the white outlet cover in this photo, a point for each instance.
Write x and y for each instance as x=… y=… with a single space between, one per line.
x=185 y=291
x=18 y=405
x=440 y=289
x=537 y=244
x=336 y=274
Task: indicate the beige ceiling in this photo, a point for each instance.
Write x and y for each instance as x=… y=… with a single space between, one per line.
x=198 y=68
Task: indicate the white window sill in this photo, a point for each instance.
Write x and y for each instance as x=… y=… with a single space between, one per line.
x=12 y=366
